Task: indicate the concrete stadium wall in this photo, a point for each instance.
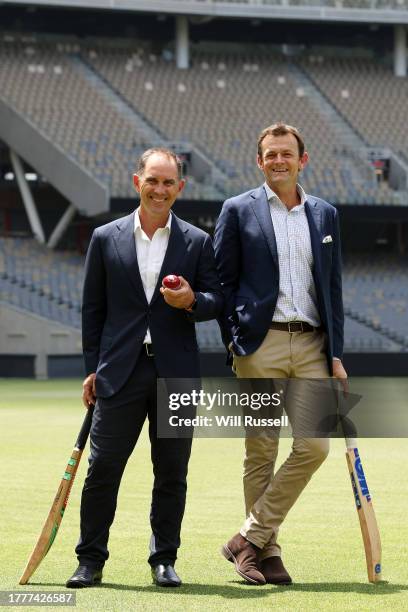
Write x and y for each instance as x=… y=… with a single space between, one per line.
x=356 y=364
x=33 y=347
x=25 y=337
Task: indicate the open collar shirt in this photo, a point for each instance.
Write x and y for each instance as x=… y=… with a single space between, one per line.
x=297 y=292
x=150 y=256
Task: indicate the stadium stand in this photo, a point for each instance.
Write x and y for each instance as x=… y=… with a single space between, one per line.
x=38 y=280
x=42 y=82
x=95 y=102
x=49 y=284
x=352 y=86
x=103 y=101
x=222 y=91
x=376 y=295
x=50 y=85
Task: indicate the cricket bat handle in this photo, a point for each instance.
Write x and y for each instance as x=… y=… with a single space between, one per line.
x=351 y=442
x=85 y=429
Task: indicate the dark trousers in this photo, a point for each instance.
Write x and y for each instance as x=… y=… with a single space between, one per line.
x=116 y=426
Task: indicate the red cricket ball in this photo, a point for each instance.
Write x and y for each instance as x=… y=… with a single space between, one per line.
x=171 y=281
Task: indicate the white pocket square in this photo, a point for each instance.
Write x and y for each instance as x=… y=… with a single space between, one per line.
x=327 y=239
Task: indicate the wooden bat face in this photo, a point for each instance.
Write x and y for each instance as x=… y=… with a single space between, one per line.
x=366 y=515
x=55 y=516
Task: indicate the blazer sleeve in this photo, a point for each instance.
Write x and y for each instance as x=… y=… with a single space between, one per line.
x=93 y=303
x=336 y=293
x=207 y=286
x=228 y=260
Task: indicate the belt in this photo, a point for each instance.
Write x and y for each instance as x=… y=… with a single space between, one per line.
x=294 y=326
x=149 y=349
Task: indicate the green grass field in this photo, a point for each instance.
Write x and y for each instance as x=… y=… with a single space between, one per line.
x=321 y=540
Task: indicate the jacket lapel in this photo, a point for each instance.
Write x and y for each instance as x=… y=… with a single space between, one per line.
x=314 y=218
x=126 y=247
x=176 y=249
x=261 y=208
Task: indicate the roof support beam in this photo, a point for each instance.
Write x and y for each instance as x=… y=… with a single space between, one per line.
x=27 y=197
x=61 y=226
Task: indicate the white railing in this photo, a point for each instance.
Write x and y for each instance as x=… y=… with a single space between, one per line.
x=345 y=11
x=360 y=4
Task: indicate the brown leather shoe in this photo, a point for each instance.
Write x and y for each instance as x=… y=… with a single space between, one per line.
x=244 y=555
x=274 y=571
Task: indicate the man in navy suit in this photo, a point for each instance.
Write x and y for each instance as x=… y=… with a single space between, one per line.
x=279 y=259
x=135 y=331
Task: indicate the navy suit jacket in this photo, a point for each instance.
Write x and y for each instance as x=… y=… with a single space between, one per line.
x=116 y=314
x=247 y=261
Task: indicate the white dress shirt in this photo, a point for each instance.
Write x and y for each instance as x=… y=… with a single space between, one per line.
x=150 y=255
x=297 y=292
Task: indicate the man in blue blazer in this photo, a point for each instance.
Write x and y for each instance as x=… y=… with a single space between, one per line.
x=135 y=331
x=279 y=260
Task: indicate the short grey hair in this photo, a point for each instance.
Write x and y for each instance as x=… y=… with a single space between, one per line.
x=163 y=151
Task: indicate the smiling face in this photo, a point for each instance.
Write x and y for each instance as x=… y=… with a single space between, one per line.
x=158 y=185
x=280 y=161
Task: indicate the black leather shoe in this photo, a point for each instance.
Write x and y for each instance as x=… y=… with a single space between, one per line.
x=84 y=576
x=165 y=576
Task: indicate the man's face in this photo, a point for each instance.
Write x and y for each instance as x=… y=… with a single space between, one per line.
x=158 y=185
x=280 y=161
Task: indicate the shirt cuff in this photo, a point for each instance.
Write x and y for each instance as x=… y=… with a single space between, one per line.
x=336 y=359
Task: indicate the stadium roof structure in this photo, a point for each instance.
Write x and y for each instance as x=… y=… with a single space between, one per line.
x=346 y=11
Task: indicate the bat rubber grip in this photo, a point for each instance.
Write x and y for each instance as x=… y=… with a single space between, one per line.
x=85 y=429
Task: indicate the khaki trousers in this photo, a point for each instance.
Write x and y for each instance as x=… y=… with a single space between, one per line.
x=268 y=495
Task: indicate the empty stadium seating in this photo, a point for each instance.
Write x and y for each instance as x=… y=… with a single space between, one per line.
x=222 y=103
x=376 y=296
x=43 y=282
x=368 y=95
x=42 y=83
x=49 y=284
x=219 y=106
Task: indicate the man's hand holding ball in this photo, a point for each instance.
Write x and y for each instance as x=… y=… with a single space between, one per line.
x=177 y=292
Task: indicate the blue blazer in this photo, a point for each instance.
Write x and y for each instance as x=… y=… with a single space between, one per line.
x=247 y=261
x=116 y=314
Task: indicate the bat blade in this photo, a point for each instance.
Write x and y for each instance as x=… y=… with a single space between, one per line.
x=56 y=513
x=366 y=515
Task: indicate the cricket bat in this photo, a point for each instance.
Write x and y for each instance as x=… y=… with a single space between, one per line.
x=55 y=516
x=365 y=511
